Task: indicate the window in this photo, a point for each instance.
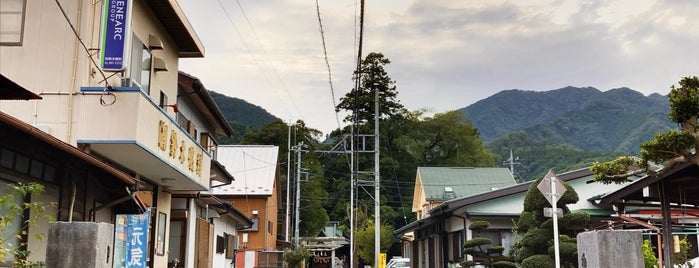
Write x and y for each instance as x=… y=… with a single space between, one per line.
x=231 y=245
x=220 y=244
x=209 y=143
x=163 y=100
x=457 y=244
x=12 y=22
x=141 y=65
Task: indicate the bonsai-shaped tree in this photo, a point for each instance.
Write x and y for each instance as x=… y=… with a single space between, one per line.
x=669 y=148
x=484 y=255
x=535 y=249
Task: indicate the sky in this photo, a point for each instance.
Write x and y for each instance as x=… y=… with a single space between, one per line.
x=444 y=54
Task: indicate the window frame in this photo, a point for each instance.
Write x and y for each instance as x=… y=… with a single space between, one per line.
x=23 y=15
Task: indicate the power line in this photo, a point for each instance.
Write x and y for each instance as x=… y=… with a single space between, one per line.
x=259 y=66
x=327 y=63
x=274 y=68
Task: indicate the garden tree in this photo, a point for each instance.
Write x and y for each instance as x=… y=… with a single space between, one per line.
x=535 y=248
x=373 y=77
x=669 y=148
x=365 y=240
x=312 y=193
x=482 y=254
x=649 y=258
x=13 y=208
x=294 y=257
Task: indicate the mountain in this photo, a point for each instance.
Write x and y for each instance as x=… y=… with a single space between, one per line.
x=617 y=120
x=241 y=115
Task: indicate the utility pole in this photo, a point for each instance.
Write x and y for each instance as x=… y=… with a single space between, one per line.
x=288 y=185
x=298 y=193
x=377 y=181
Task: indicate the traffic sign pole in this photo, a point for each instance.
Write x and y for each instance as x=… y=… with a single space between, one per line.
x=554 y=196
x=553 y=189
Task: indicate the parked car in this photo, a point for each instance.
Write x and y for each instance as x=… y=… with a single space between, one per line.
x=398 y=263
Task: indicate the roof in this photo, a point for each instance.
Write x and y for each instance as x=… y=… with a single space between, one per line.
x=9 y=90
x=448 y=207
x=175 y=22
x=680 y=180
x=253 y=166
x=200 y=96
x=464 y=181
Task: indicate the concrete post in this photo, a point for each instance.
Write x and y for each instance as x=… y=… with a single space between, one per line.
x=610 y=249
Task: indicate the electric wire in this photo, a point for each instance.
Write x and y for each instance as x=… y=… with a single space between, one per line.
x=274 y=68
x=327 y=63
x=89 y=55
x=259 y=66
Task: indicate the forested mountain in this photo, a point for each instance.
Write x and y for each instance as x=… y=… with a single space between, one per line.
x=241 y=115
x=567 y=128
x=585 y=118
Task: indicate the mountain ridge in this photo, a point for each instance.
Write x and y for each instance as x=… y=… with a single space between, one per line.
x=617 y=120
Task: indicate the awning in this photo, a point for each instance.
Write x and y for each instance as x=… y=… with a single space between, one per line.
x=9 y=90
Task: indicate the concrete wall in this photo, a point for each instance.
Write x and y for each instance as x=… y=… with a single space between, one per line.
x=610 y=249
x=80 y=244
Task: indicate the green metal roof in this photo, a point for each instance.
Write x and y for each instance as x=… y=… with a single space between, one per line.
x=463 y=181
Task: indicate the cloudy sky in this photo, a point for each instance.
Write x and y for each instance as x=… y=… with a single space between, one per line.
x=444 y=54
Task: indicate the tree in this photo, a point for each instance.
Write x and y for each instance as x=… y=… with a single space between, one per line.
x=373 y=77
x=482 y=254
x=669 y=148
x=445 y=140
x=535 y=247
x=313 y=194
x=13 y=208
x=294 y=257
x=365 y=240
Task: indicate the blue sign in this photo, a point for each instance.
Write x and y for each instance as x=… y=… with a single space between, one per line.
x=131 y=240
x=116 y=21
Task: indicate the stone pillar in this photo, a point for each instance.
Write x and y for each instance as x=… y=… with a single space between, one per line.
x=80 y=244
x=610 y=249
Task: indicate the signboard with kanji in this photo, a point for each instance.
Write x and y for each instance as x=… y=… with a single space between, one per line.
x=131 y=240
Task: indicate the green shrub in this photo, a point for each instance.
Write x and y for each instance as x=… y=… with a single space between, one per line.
x=649 y=258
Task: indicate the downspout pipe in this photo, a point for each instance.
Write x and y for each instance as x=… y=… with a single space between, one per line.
x=463 y=231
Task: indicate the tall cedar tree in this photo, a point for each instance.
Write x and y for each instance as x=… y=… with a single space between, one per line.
x=373 y=77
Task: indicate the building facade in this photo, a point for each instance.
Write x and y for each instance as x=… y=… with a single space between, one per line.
x=108 y=75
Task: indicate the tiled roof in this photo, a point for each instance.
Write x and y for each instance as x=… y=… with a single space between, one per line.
x=254 y=168
x=462 y=181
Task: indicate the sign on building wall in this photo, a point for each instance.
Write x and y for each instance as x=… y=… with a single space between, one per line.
x=115 y=34
x=131 y=240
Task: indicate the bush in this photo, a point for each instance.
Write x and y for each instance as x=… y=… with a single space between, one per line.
x=649 y=258
x=294 y=257
x=539 y=261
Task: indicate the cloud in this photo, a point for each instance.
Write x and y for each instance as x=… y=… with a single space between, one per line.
x=444 y=54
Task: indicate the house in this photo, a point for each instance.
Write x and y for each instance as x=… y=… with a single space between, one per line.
x=437 y=240
x=434 y=185
x=108 y=75
x=256 y=193
x=27 y=154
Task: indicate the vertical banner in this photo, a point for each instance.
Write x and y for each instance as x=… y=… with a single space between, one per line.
x=131 y=240
x=115 y=34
